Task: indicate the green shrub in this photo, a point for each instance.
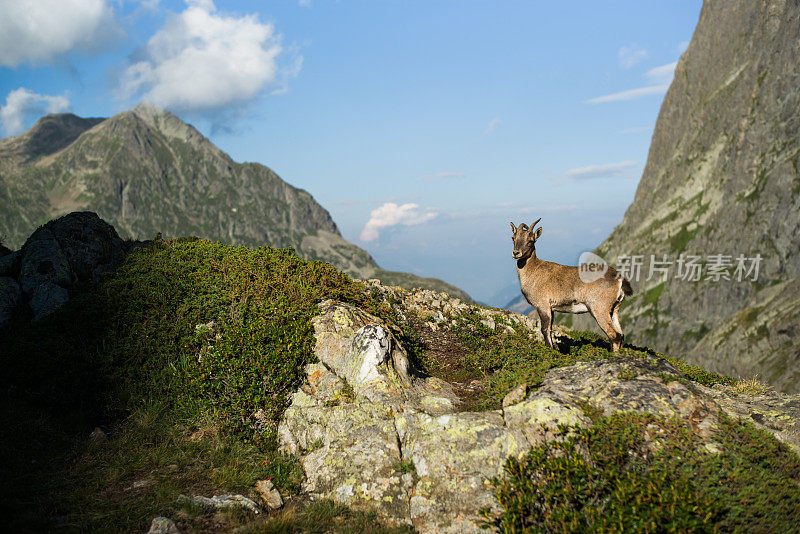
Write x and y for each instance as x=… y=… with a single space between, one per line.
x=135 y=336
x=640 y=473
x=261 y=302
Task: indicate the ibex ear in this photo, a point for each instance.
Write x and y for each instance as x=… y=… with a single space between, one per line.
x=537 y=233
x=513 y=228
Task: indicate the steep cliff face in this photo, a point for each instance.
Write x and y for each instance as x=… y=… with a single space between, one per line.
x=722 y=178
x=145 y=171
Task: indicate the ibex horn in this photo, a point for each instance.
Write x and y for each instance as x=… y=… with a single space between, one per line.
x=537 y=222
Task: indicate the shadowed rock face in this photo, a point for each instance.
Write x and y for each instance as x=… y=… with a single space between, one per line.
x=373 y=433
x=76 y=248
x=722 y=177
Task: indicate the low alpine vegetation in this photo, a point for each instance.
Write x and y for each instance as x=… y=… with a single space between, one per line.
x=501 y=361
x=635 y=472
x=186 y=334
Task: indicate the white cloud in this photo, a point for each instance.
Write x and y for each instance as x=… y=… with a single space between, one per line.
x=22 y=103
x=304 y=3
x=630 y=94
x=493 y=124
x=659 y=77
x=202 y=60
x=38 y=31
x=443 y=175
x=390 y=214
x=630 y=56
x=287 y=74
x=606 y=170
x=663 y=74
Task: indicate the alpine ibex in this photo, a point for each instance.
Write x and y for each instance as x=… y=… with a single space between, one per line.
x=550 y=287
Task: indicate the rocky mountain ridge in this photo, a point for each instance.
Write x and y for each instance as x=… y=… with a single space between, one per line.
x=145 y=171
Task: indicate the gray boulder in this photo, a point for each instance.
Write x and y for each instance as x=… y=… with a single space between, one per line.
x=269 y=494
x=47 y=298
x=44 y=262
x=163 y=525
x=78 y=247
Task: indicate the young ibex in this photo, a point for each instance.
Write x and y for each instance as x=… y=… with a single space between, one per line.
x=550 y=287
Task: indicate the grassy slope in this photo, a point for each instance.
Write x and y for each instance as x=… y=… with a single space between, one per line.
x=194 y=410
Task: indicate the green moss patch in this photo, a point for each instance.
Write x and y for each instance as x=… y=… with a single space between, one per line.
x=698 y=334
x=652 y=295
x=679 y=241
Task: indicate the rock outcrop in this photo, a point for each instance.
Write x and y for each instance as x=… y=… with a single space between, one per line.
x=372 y=432
x=723 y=178
x=74 y=249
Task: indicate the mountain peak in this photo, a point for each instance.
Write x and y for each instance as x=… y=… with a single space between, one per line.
x=50 y=134
x=164 y=121
x=150 y=112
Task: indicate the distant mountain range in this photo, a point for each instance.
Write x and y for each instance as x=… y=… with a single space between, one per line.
x=145 y=171
x=722 y=180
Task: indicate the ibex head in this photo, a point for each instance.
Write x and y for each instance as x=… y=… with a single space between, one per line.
x=524 y=238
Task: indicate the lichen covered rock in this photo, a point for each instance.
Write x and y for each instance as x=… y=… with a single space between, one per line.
x=373 y=433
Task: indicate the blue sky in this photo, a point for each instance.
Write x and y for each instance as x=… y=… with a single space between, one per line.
x=424 y=127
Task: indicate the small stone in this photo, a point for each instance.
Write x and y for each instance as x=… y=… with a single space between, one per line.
x=516 y=395
x=706 y=427
x=98 y=435
x=163 y=525
x=138 y=484
x=218 y=502
x=269 y=494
